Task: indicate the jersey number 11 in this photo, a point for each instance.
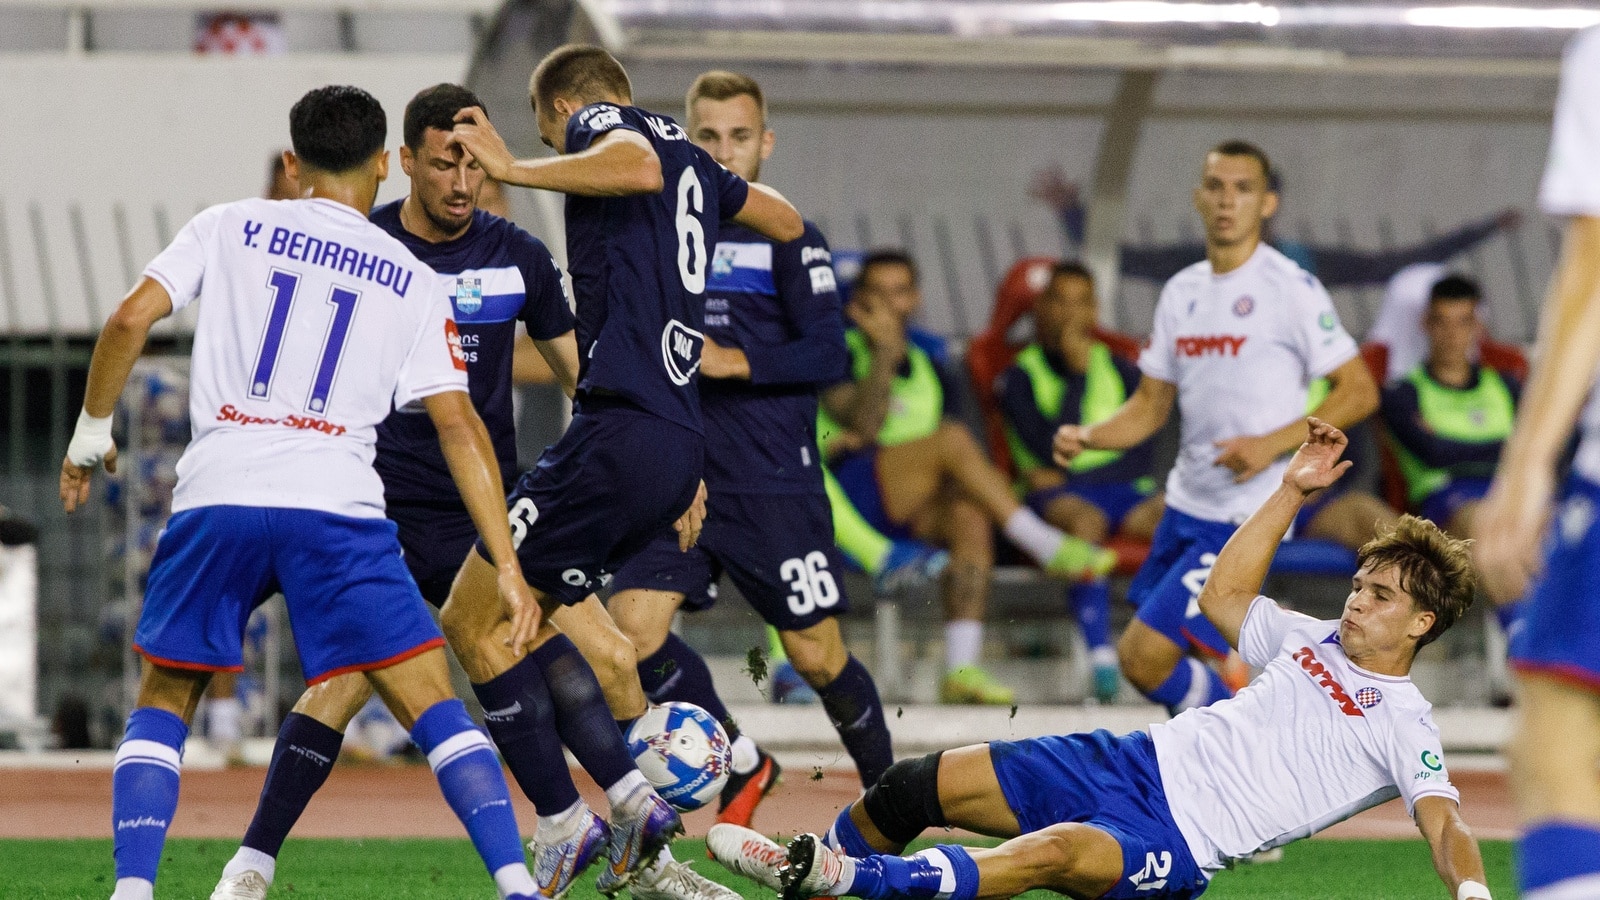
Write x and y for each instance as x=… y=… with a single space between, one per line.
x=283 y=285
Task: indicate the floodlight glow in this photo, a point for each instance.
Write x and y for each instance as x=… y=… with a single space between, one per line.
x=1500 y=17
x=1156 y=11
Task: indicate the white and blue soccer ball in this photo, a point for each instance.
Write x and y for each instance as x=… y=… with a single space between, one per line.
x=683 y=752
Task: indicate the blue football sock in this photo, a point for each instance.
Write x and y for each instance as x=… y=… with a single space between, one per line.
x=1559 y=860
x=301 y=760
x=520 y=716
x=678 y=672
x=582 y=717
x=845 y=837
x=1191 y=684
x=469 y=775
x=1091 y=607
x=853 y=706
x=942 y=873
x=144 y=790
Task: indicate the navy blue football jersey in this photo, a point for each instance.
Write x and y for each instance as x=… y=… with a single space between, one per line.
x=639 y=266
x=779 y=304
x=497 y=274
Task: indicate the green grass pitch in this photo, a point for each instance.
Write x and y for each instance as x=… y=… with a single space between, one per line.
x=447 y=869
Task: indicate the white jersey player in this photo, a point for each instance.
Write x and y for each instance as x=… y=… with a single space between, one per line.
x=1238 y=340
x=313 y=323
x=1332 y=727
x=1556 y=653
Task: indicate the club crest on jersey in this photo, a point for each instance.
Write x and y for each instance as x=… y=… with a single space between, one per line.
x=1368 y=697
x=680 y=351
x=1244 y=306
x=722 y=263
x=469 y=295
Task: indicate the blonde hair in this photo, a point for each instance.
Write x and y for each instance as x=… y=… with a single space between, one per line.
x=719 y=84
x=1433 y=567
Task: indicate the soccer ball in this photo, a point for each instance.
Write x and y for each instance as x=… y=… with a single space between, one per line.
x=683 y=752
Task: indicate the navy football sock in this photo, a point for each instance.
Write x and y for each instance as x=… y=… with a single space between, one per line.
x=853 y=705
x=581 y=715
x=678 y=672
x=301 y=761
x=520 y=716
x=144 y=790
x=1091 y=606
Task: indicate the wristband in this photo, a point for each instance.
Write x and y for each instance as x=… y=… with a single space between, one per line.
x=91 y=440
x=1472 y=890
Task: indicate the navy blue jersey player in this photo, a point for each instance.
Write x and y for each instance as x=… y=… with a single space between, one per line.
x=774 y=333
x=643 y=206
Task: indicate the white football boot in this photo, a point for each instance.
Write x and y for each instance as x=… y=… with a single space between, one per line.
x=672 y=880
x=247 y=885
x=747 y=852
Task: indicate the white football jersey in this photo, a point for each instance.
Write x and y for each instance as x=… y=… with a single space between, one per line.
x=1312 y=741
x=1571 y=185
x=1243 y=349
x=312 y=322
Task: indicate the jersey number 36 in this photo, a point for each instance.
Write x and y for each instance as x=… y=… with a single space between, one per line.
x=812 y=583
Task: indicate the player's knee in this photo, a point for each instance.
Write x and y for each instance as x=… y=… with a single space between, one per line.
x=1146 y=670
x=1054 y=857
x=818 y=664
x=615 y=662
x=905 y=801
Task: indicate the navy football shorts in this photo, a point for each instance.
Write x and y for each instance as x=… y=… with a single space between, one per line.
x=777 y=550
x=436 y=539
x=1166 y=589
x=1442 y=505
x=352 y=604
x=615 y=480
x=1560 y=634
x=1110 y=783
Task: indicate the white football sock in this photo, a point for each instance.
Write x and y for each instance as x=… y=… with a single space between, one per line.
x=628 y=792
x=1033 y=535
x=947 y=871
x=562 y=825
x=249 y=859
x=134 y=889
x=1103 y=657
x=963 y=643
x=514 y=878
x=745 y=755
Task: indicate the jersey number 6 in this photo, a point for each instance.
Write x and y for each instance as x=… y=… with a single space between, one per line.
x=691 y=234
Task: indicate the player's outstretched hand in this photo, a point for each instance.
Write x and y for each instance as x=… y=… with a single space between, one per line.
x=1316 y=464
x=689 y=524
x=477 y=135
x=1507 y=530
x=521 y=604
x=1246 y=457
x=75 y=478
x=1070 y=440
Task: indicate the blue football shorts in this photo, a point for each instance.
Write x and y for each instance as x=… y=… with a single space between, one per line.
x=1166 y=589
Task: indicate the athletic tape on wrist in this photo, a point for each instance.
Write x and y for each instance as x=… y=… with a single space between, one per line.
x=90 y=440
x=1472 y=890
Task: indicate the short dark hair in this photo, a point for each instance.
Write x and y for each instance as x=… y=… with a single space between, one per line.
x=1071 y=268
x=1245 y=148
x=1455 y=287
x=1433 y=567
x=436 y=107
x=719 y=84
x=337 y=128
x=889 y=256
x=581 y=71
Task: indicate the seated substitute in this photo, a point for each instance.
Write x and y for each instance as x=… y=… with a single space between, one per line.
x=1069 y=377
x=1331 y=727
x=913 y=472
x=1449 y=416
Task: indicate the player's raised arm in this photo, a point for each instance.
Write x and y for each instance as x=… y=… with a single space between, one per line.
x=118 y=348
x=619 y=163
x=1139 y=417
x=476 y=472
x=768 y=212
x=1455 y=851
x=1565 y=359
x=1241 y=567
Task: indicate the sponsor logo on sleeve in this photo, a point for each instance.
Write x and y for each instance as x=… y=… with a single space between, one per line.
x=809 y=255
x=458 y=356
x=822 y=281
x=1328 y=321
